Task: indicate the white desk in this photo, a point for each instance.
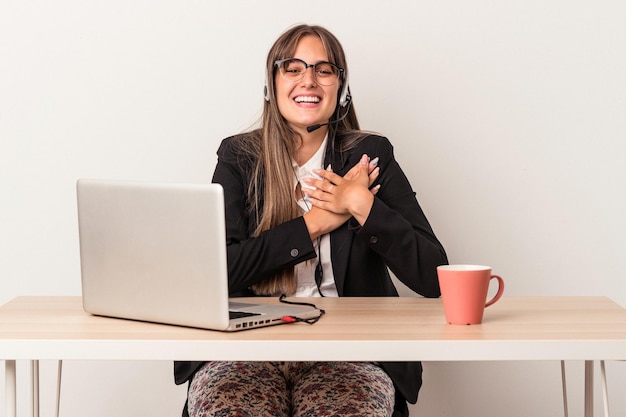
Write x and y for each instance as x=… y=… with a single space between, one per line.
x=357 y=329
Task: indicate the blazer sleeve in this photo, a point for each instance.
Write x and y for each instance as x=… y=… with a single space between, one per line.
x=250 y=259
x=397 y=228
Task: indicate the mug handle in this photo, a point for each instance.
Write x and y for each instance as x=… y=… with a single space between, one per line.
x=500 y=290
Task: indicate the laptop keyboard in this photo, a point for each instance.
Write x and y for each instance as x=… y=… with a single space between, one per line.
x=240 y=314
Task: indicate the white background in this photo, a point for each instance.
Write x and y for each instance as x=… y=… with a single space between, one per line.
x=509 y=117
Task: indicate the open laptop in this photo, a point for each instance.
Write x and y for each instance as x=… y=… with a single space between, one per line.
x=157 y=252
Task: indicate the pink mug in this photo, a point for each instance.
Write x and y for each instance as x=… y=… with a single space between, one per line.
x=464 y=292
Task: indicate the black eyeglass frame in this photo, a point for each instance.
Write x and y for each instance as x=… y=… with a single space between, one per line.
x=279 y=62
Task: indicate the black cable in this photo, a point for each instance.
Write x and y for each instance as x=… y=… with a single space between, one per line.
x=311 y=320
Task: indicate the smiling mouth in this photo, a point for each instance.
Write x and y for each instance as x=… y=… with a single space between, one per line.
x=307 y=99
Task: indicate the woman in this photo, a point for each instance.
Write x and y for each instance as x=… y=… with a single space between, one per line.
x=314 y=207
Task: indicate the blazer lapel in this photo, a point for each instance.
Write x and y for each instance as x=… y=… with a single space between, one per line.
x=341 y=238
x=340 y=246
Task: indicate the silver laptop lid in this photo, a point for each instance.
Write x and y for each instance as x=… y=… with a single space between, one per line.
x=154 y=251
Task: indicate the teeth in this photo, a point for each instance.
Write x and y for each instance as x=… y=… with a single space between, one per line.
x=307 y=99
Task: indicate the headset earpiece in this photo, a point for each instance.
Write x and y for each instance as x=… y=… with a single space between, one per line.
x=266 y=88
x=345 y=97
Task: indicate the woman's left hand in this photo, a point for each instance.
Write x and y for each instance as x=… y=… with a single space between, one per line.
x=348 y=194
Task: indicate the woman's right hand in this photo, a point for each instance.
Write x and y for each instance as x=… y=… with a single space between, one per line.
x=319 y=221
x=373 y=169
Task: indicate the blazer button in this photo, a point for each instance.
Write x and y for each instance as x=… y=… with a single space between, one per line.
x=373 y=239
x=294 y=253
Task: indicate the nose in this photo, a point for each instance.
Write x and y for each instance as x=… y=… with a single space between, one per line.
x=309 y=76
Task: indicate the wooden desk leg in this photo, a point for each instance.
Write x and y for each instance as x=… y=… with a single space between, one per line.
x=588 y=388
x=564 y=388
x=605 y=389
x=34 y=380
x=58 y=401
x=11 y=385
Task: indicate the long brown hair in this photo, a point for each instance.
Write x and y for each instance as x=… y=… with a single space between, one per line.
x=271 y=193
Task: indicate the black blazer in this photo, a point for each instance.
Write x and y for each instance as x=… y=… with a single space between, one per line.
x=396 y=235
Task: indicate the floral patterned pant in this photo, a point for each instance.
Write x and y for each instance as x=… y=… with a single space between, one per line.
x=298 y=389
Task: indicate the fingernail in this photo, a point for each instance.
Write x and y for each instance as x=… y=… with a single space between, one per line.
x=364 y=159
x=329 y=168
x=374 y=161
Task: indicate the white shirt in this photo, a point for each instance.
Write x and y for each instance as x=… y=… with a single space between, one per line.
x=305 y=271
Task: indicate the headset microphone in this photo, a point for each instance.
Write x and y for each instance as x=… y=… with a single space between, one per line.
x=313 y=128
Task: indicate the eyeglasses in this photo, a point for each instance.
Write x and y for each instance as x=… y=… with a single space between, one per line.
x=293 y=69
